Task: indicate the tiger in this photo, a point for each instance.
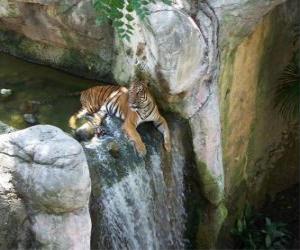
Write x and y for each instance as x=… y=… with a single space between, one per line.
x=133 y=105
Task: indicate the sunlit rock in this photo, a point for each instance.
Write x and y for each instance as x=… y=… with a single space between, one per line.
x=46 y=172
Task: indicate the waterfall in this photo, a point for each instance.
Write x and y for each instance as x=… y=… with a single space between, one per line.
x=142 y=203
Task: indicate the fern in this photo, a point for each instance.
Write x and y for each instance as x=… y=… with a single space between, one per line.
x=120 y=13
x=287 y=92
x=255 y=231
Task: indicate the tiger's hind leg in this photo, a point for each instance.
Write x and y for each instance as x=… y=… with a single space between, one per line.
x=74 y=118
x=162 y=127
x=89 y=128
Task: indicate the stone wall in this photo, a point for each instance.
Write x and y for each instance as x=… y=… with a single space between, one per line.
x=259 y=146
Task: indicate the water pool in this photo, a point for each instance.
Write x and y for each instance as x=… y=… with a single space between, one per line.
x=37 y=90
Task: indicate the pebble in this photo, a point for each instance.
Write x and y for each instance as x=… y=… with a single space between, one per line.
x=114 y=149
x=5 y=92
x=30 y=119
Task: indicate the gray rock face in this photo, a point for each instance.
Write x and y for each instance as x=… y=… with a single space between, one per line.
x=181 y=55
x=238 y=18
x=179 y=59
x=47 y=173
x=60 y=33
x=14 y=226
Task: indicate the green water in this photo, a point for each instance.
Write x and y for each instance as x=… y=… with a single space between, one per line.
x=39 y=90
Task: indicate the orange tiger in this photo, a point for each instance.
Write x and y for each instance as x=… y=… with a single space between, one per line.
x=134 y=106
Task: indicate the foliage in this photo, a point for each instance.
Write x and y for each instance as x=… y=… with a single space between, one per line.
x=120 y=13
x=287 y=92
x=253 y=231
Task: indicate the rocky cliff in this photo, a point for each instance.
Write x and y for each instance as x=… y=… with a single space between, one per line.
x=204 y=61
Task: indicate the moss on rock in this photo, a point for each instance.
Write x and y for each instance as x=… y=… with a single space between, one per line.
x=210 y=184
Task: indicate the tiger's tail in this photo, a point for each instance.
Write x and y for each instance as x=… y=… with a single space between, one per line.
x=74 y=118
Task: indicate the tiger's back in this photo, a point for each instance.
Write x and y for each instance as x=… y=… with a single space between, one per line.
x=107 y=99
x=94 y=98
x=134 y=105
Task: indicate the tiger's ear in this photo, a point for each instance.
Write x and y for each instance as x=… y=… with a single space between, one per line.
x=145 y=83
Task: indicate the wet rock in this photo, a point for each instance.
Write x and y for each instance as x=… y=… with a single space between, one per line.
x=45 y=184
x=30 y=107
x=30 y=119
x=114 y=149
x=5 y=92
x=144 y=193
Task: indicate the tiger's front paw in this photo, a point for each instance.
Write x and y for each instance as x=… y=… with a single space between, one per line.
x=141 y=149
x=167 y=146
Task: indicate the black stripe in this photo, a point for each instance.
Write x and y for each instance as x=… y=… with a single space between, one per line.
x=147 y=105
x=116 y=103
x=158 y=124
x=112 y=104
x=114 y=109
x=110 y=108
x=151 y=111
x=108 y=88
x=139 y=114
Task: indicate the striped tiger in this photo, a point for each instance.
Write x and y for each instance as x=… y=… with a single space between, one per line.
x=134 y=106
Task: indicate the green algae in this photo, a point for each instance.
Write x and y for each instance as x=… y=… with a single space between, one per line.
x=209 y=228
x=211 y=185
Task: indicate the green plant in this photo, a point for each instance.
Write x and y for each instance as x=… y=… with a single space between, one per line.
x=120 y=13
x=253 y=231
x=287 y=92
x=276 y=236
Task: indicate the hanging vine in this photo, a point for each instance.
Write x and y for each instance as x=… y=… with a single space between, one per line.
x=120 y=13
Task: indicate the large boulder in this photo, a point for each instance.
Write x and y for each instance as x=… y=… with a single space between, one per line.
x=45 y=188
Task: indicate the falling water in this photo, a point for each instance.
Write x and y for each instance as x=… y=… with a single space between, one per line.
x=144 y=208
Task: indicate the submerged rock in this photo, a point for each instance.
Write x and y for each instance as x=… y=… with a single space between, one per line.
x=44 y=190
x=31 y=119
x=5 y=92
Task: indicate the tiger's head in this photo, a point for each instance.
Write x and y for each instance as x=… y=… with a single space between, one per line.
x=138 y=95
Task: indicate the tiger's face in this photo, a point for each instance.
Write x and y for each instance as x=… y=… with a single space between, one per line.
x=137 y=95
